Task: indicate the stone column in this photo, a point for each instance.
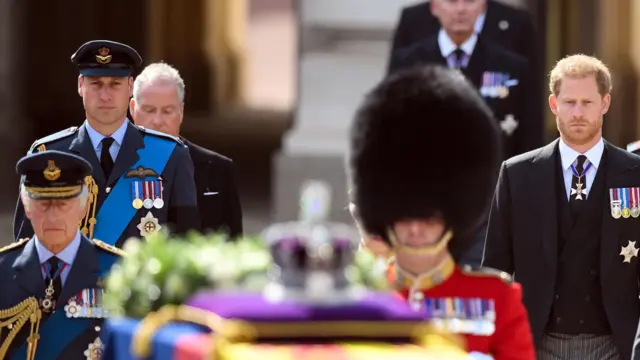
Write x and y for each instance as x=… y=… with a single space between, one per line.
x=12 y=125
x=615 y=47
x=344 y=53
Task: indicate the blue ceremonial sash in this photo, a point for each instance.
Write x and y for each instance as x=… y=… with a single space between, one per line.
x=59 y=331
x=116 y=212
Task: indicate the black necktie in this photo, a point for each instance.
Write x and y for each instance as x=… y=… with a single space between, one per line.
x=105 y=156
x=54 y=265
x=459 y=56
x=578 y=186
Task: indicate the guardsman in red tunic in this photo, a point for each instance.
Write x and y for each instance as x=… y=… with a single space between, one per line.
x=423 y=164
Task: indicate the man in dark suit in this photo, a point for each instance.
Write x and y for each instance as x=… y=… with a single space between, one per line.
x=502 y=78
x=507 y=26
x=564 y=220
x=158 y=104
x=501 y=24
x=54 y=278
x=142 y=180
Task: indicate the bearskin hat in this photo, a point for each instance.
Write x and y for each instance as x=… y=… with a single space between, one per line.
x=424 y=143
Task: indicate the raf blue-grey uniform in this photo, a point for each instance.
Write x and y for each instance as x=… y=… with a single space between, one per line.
x=142 y=158
x=84 y=263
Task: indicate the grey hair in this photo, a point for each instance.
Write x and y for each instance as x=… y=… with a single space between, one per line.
x=26 y=200
x=158 y=72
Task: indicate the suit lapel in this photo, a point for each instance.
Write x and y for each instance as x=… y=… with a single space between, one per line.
x=490 y=20
x=128 y=153
x=28 y=271
x=84 y=272
x=433 y=53
x=543 y=209
x=617 y=164
x=82 y=146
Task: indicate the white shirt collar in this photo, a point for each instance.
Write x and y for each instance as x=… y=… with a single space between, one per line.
x=447 y=46
x=569 y=156
x=68 y=254
x=96 y=137
x=480 y=22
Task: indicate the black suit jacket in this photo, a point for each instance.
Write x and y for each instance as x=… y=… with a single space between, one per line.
x=179 y=213
x=522 y=238
x=418 y=23
x=218 y=200
x=489 y=57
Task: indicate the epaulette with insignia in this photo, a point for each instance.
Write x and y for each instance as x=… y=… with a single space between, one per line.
x=634 y=146
x=109 y=248
x=40 y=143
x=488 y=272
x=14 y=245
x=161 y=134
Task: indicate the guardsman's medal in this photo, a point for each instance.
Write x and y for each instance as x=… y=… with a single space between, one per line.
x=635 y=211
x=416 y=300
x=136 y=191
x=626 y=211
x=148 y=202
x=158 y=203
x=458 y=315
x=614 y=198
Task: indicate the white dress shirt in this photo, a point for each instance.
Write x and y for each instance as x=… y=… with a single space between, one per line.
x=447 y=47
x=479 y=22
x=117 y=136
x=67 y=255
x=568 y=157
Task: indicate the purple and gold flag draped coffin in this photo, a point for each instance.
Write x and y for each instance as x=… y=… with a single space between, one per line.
x=378 y=326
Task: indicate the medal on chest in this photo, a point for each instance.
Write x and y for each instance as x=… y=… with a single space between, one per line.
x=48 y=303
x=580 y=191
x=472 y=316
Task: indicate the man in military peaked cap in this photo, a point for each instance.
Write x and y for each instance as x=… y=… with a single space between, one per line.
x=46 y=277
x=425 y=204
x=142 y=180
x=106 y=58
x=53 y=175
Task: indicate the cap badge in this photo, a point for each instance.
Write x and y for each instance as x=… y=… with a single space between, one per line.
x=52 y=172
x=103 y=56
